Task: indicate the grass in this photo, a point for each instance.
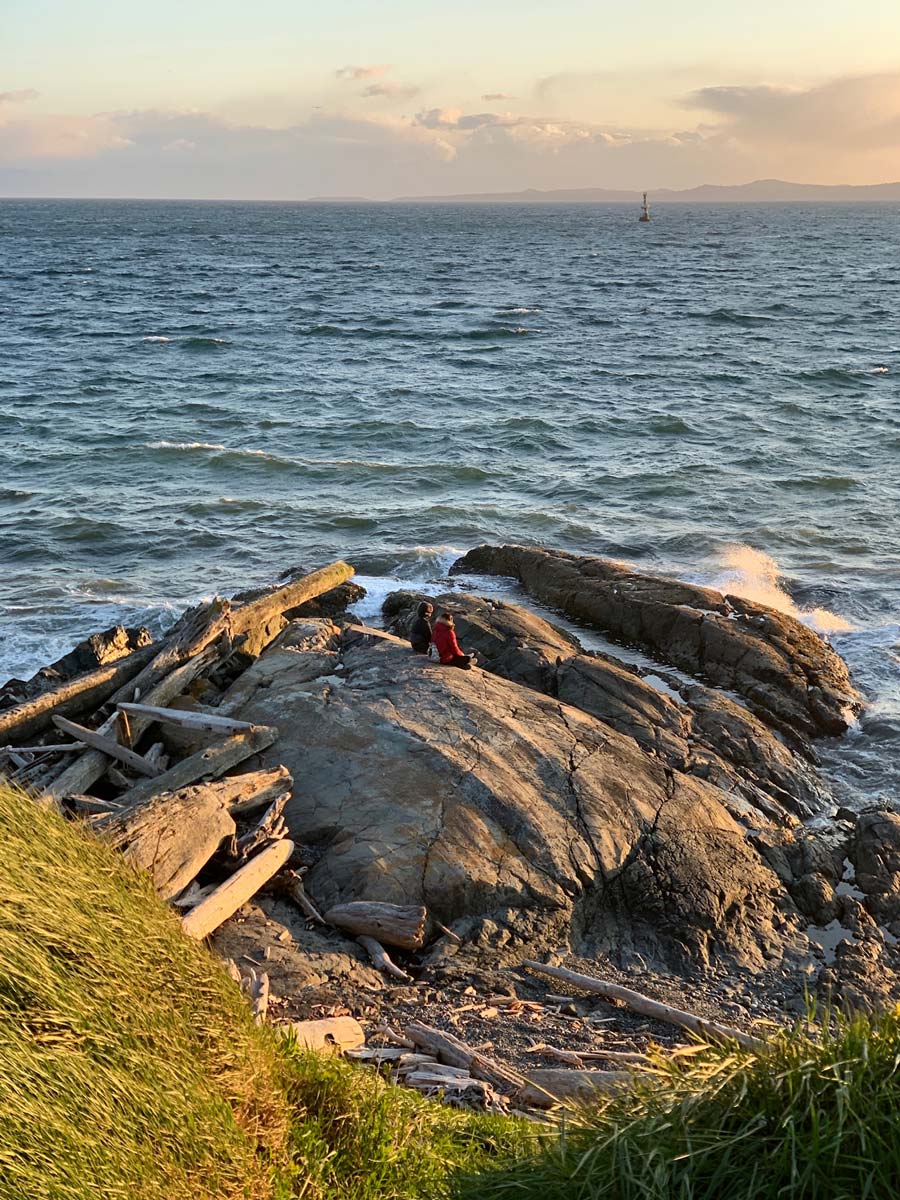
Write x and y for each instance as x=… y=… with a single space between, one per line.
x=809 y=1119
x=130 y=1067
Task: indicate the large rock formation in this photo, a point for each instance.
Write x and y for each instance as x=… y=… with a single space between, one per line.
x=485 y=799
x=788 y=675
x=693 y=728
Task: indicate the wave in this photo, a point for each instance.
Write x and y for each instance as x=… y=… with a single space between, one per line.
x=730 y=316
x=756 y=576
x=203 y=343
x=155 y=338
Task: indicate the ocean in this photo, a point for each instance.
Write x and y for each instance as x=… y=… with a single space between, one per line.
x=196 y=396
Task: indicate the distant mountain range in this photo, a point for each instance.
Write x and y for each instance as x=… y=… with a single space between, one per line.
x=761 y=191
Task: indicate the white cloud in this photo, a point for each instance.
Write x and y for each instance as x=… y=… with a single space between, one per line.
x=839 y=130
x=861 y=112
x=19 y=97
x=364 y=72
x=391 y=91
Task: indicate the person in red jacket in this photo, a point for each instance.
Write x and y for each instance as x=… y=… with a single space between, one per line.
x=444 y=637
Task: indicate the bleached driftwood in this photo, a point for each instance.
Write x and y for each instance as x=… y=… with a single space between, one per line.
x=545 y=1088
x=710 y=1030
x=211 y=763
x=381 y=959
x=295 y=889
x=333 y=1033
x=31 y=752
x=259 y=788
x=271 y=827
x=91 y=765
x=449 y=1049
x=194 y=632
x=73 y=698
x=172 y=836
x=257 y=986
x=254 y=624
x=185 y=718
x=108 y=746
x=245 y=883
x=392 y=924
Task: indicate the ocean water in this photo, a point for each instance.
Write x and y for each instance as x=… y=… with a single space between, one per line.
x=194 y=397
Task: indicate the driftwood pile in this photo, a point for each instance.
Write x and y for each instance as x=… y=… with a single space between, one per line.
x=88 y=745
x=440 y=1065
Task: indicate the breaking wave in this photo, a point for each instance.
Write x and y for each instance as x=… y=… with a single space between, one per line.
x=755 y=576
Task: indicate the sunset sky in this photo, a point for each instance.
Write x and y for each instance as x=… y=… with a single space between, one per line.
x=286 y=99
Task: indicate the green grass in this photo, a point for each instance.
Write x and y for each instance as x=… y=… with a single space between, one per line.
x=357 y=1137
x=130 y=1070
x=810 y=1119
x=130 y=1067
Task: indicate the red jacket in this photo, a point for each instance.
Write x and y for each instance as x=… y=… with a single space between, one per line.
x=444 y=637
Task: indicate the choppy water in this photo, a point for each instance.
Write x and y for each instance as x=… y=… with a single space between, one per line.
x=195 y=396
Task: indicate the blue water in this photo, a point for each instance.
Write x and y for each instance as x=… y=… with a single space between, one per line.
x=195 y=396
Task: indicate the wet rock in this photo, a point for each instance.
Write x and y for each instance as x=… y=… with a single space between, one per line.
x=95 y=651
x=815 y=897
x=787 y=674
x=481 y=798
x=875 y=854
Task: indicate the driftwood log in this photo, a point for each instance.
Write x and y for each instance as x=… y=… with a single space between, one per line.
x=449 y=1049
x=709 y=1030
x=211 y=763
x=91 y=765
x=195 y=631
x=334 y=1033
x=109 y=746
x=210 y=913
x=172 y=836
x=184 y=718
x=254 y=624
x=270 y=828
x=392 y=924
x=75 y=697
x=546 y=1088
x=381 y=959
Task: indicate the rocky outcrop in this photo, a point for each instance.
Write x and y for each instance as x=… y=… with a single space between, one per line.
x=788 y=675
x=693 y=728
x=95 y=651
x=486 y=800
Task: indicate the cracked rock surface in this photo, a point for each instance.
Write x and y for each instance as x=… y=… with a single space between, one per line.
x=482 y=798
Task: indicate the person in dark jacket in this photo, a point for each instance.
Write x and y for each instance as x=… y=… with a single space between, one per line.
x=444 y=636
x=420 y=633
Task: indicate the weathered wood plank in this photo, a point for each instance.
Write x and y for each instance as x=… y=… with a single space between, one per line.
x=185 y=718
x=75 y=697
x=213 y=762
x=108 y=746
x=90 y=766
x=172 y=836
x=210 y=913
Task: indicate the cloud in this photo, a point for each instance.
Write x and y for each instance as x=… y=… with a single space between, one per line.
x=365 y=72
x=837 y=131
x=489 y=96
x=391 y=91
x=861 y=112
x=19 y=97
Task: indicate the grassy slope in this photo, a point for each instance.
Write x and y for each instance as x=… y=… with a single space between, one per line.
x=130 y=1067
x=809 y=1120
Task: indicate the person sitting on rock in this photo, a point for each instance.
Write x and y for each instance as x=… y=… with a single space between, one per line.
x=420 y=632
x=444 y=636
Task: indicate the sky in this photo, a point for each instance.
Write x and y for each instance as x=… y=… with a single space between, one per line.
x=290 y=99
